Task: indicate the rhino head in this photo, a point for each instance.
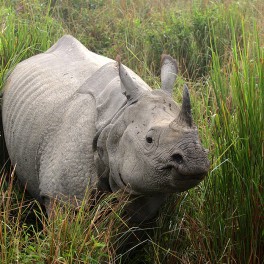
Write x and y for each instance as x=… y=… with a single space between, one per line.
x=153 y=145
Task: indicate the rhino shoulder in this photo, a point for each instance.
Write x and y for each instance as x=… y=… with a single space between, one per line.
x=65 y=158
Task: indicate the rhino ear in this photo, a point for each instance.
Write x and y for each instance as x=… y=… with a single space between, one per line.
x=129 y=85
x=169 y=72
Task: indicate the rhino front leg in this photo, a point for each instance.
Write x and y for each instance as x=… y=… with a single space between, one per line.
x=49 y=206
x=66 y=160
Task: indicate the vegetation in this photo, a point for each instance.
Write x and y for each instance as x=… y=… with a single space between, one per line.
x=220 y=49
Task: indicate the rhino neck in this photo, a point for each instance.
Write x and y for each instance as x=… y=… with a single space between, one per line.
x=109 y=122
x=104 y=85
x=105 y=143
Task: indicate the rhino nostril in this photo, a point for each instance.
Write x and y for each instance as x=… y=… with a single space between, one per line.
x=177 y=158
x=149 y=139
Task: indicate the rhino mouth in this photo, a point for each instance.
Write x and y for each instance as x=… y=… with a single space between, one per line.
x=178 y=183
x=183 y=177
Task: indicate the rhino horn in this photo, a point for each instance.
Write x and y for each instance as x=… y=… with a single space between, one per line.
x=169 y=72
x=130 y=88
x=185 y=115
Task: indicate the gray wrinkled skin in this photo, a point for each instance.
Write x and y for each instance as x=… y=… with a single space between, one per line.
x=74 y=119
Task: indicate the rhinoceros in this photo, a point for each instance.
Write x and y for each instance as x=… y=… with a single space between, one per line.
x=74 y=120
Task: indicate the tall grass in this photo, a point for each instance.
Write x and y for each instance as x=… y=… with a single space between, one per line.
x=238 y=129
x=92 y=233
x=220 y=49
x=26 y=29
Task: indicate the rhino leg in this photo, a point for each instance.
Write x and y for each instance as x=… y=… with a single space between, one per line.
x=48 y=204
x=66 y=160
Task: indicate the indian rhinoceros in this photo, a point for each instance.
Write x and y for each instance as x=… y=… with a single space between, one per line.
x=73 y=119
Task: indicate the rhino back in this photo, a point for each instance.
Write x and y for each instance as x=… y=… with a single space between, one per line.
x=34 y=91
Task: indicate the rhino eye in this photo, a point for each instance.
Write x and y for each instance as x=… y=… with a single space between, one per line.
x=149 y=139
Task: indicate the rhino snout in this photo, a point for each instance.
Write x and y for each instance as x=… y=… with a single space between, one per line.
x=194 y=168
x=184 y=167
